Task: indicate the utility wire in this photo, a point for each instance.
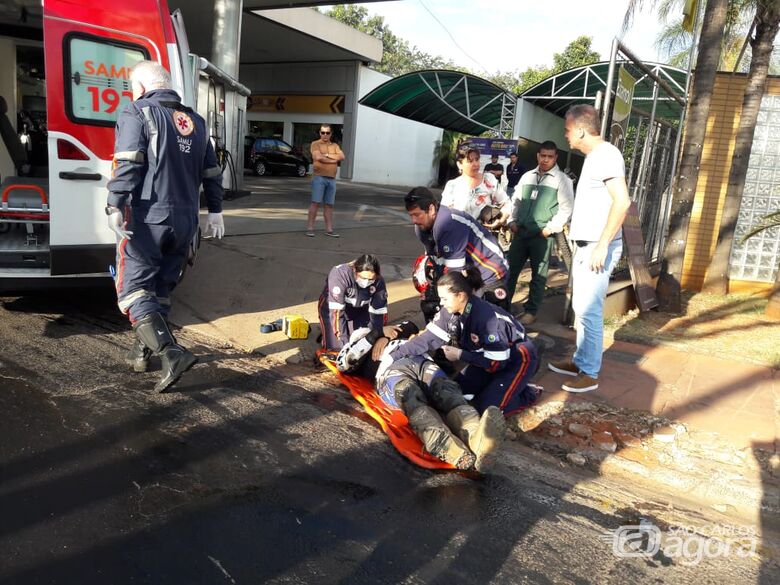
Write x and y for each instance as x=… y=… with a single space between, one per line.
x=452 y=37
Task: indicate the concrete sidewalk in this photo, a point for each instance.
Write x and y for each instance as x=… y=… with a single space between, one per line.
x=723 y=410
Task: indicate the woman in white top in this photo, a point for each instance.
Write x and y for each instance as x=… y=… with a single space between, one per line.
x=472 y=192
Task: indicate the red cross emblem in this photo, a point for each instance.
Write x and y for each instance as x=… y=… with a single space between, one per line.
x=183 y=123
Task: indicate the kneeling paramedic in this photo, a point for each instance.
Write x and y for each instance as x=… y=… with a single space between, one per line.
x=499 y=359
x=162 y=155
x=419 y=388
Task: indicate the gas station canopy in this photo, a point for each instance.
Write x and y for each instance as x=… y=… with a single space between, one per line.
x=452 y=100
x=580 y=85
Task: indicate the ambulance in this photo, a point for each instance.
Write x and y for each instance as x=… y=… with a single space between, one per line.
x=64 y=78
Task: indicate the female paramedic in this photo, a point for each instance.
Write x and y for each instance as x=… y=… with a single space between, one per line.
x=499 y=358
x=355 y=296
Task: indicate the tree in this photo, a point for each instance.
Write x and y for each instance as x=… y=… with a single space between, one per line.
x=674 y=41
x=577 y=53
x=767 y=21
x=714 y=20
x=397 y=56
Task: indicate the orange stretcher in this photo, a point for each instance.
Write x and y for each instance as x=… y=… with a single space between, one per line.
x=393 y=422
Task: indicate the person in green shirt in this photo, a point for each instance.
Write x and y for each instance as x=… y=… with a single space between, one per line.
x=541 y=206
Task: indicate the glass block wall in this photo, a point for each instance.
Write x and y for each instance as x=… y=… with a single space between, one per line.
x=758 y=258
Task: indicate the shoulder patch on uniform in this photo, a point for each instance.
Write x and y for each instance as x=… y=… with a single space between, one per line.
x=467 y=309
x=371 y=289
x=445 y=248
x=336 y=290
x=491 y=338
x=475 y=338
x=500 y=293
x=183 y=123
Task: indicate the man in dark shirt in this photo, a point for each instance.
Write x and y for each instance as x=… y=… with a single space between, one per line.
x=495 y=168
x=514 y=170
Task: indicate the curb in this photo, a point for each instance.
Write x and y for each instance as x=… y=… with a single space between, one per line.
x=652 y=450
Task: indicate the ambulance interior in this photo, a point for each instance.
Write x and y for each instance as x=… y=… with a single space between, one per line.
x=24 y=215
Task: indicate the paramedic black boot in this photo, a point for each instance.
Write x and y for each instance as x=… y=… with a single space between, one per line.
x=438 y=440
x=138 y=356
x=482 y=434
x=153 y=332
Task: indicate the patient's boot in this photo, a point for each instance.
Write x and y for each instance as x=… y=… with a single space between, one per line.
x=438 y=439
x=137 y=357
x=482 y=434
x=153 y=332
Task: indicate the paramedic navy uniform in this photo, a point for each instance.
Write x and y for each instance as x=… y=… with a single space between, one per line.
x=500 y=358
x=162 y=155
x=457 y=239
x=344 y=306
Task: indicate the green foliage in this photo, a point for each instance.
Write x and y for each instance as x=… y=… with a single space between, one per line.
x=398 y=57
x=674 y=42
x=577 y=53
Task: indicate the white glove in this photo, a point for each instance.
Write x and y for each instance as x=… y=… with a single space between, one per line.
x=215 y=226
x=452 y=353
x=118 y=225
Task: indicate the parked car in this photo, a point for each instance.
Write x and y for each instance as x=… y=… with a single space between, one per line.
x=271 y=155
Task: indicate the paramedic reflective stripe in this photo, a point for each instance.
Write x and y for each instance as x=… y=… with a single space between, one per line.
x=151 y=125
x=382 y=311
x=127 y=300
x=212 y=172
x=459 y=263
x=130 y=155
x=492 y=246
x=335 y=306
x=498 y=356
x=438 y=331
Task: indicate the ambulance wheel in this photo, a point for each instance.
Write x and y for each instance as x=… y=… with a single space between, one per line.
x=260 y=168
x=300 y=170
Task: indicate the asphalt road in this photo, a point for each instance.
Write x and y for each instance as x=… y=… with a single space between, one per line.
x=258 y=472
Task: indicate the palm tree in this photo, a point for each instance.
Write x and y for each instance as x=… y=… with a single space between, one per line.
x=674 y=41
x=767 y=22
x=714 y=22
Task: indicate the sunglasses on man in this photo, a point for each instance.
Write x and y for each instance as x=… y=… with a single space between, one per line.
x=321 y=132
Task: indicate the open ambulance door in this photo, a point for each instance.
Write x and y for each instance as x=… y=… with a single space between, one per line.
x=90 y=47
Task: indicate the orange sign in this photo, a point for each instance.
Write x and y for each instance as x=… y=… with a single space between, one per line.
x=297 y=104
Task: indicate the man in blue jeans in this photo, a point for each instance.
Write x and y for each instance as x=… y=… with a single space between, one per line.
x=600 y=206
x=326 y=156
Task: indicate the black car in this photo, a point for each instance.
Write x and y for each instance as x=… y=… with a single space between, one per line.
x=271 y=155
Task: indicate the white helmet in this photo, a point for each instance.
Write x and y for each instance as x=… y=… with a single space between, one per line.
x=355 y=350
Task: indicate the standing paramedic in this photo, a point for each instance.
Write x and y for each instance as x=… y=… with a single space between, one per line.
x=542 y=207
x=162 y=156
x=600 y=207
x=457 y=240
x=326 y=156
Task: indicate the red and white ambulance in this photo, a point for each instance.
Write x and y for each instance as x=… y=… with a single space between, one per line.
x=63 y=81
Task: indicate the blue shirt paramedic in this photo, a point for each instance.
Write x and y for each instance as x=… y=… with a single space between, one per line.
x=162 y=155
x=457 y=240
x=500 y=360
x=355 y=296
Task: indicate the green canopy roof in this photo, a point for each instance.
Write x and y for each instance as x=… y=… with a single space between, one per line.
x=447 y=99
x=581 y=84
